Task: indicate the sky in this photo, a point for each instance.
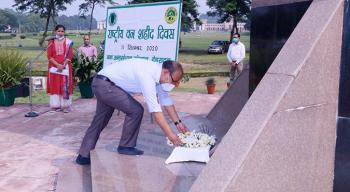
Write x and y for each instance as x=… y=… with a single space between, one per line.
x=100 y=12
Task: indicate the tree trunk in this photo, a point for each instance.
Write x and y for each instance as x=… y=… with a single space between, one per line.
x=91 y=16
x=19 y=27
x=234 y=27
x=41 y=41
x=232 y=30
x=54 y=15
x=54 y=23
x=180 y=41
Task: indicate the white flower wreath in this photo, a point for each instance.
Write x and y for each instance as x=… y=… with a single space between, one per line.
x=195 y=140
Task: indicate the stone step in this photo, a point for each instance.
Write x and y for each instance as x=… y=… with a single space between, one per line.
x=111 y=172
x=73 y=177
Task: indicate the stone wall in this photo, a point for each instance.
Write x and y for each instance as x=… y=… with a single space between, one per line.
x=284 y=138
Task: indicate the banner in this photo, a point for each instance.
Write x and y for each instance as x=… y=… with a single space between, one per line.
x=148 y=31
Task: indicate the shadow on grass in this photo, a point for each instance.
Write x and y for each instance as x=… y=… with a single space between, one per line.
x=25 y=48
x=197 y=90
x=32 y=48
x=197 y=52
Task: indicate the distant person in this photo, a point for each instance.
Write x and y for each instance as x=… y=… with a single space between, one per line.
x=235 y=56
x=112 y=87
x=87 y=49
x=102 y=45
x=59 y=86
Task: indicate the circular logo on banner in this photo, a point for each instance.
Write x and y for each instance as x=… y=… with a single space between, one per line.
x=170 y=15
x=112 y=19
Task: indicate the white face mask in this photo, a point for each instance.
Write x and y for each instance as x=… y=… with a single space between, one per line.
x=167 y=86
x=59 y=37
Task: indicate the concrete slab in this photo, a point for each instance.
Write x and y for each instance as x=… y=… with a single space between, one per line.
x=15 y=184
x=318 y=80
x=241 y=136
x=225 y=112
x=73 y=177
x=296 y=147
x=295 y=142
x=114 y=172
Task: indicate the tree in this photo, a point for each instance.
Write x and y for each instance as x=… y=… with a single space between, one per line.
x=229 y=10
x=91 y=4
x=7 y=18
x=31 y=23
x=189 y=13
x=76 y=22
x=47 y=9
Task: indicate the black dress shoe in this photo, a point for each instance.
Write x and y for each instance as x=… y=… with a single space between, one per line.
x=82 y=160
x=129 y=151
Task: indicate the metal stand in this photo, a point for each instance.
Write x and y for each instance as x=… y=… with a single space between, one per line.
x=29 y=66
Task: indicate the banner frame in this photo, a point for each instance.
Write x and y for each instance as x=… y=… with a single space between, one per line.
x=179 y=3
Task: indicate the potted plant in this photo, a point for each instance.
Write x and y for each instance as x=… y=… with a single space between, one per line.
x=210 y=82
x=185 y=78
x=84 y=69
x=12 y=70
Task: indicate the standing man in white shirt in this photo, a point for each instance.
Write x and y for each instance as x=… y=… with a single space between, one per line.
x=112 y=87
x=236 y=55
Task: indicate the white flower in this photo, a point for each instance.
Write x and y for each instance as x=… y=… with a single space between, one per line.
x=195 y=139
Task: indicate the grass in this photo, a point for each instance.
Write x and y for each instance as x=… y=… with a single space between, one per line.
x=194 y=56
x=194 y=85
x=198 y=85
x=40 y=96
x=31 y=49
x=193 y=53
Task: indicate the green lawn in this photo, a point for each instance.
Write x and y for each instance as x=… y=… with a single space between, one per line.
x=40 y=96
x=194 y=85
x=194 y=56
x=193 y=53
x=31 y=49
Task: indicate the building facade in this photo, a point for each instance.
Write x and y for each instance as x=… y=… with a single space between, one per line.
x=101 y=25
x=212 y=24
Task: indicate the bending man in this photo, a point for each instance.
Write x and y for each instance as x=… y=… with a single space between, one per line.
x=112 y=87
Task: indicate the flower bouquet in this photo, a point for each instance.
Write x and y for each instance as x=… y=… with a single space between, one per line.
x=195 y=148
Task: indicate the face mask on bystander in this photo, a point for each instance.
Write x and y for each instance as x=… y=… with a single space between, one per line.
x=59 y=37
x=235 y=40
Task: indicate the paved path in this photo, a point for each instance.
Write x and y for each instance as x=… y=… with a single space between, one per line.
x=32 y=149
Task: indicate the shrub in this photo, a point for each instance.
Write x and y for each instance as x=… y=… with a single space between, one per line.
x=13 y=34
x=84 y=69
x=22 y=36
x=12 y=68
x=5 y=37
x=185 y=78
x=210 y=81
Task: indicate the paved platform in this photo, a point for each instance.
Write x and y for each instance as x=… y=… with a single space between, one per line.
x=34 y=152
